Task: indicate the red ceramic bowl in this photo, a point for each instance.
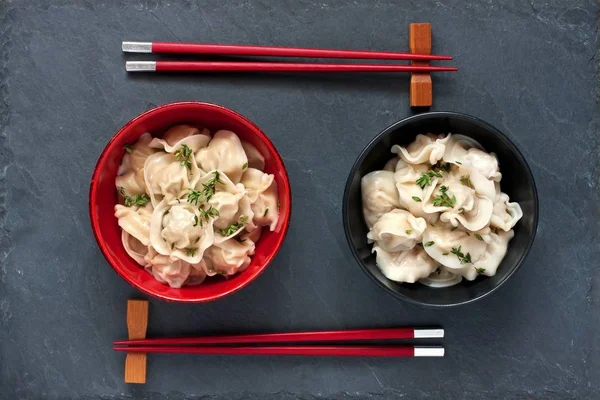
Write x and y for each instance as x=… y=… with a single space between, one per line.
x=103 y=197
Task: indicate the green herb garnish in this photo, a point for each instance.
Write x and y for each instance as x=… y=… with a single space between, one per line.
x=245 y=165
x=417 y=199
x=426 y=178
x=128 y=148
x=478 y=236
x=184 y=155
x=480 y=270
x=209 y=188
x=266 y=212
x=205 y=215
x=408 y=231
x=458 y=162
x=464 y=259
x=231 y=229
x=466 y=180
x=461 y=210
x=443 y=200
x=439 y=166
x=191 y=251
x=429 y=244
x=137 y=200
x=445 y=254
x=121 y=190
x=194 y=196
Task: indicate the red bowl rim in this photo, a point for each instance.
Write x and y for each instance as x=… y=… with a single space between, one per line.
x=113 y=260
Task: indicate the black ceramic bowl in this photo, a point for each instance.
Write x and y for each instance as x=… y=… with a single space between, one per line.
x=517 y=182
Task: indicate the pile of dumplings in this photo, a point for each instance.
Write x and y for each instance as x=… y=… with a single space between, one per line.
x=436 y=213
x=192 y=205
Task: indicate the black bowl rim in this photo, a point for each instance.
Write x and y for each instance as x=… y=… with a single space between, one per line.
x=411 y=119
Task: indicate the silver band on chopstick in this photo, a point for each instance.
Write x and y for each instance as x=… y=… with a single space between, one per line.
x=140 y=66
x=137 y=47
x=429 y=351
x=428 y=333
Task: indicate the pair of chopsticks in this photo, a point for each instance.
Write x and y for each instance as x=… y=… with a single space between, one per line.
x=247 y=344
x=266 y=51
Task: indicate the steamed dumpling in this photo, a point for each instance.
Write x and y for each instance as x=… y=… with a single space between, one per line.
x=495 y=252
x=256 y=182
x=166 y=176
x=425 y=148
x=465 y=254
x=266 y=208
x=440 y=278
x=485 y=163
x=404 y=266
x=199 y=222
x=506 y=214
x=135 y=221
x=177 y=230
x=458 y=198
x=225 y=199
x=197 y=274
x=172 y=272
x=397 y=230
x=410 y=194
x=133 y=165
x=447 y=201
x=255 y=159
x=379 y=195
x=457 y=147
x=130 y=183
x=442 y=244
x=224 y=153
x=180 y=135
x=136 y=249
x=230 y=257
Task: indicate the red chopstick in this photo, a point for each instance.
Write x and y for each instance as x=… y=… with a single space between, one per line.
x=268 y=51
x=360 y=351
x=297 y=337
x=235 y=66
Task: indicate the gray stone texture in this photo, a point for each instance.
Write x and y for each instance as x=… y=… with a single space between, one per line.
x=529 y=68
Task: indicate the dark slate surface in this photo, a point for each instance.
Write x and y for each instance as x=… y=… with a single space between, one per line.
x=528 y=68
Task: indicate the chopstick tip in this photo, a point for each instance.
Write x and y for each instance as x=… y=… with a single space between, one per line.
x=139 y=66
x=432 y=351
x=136 y=47
x=429 y=333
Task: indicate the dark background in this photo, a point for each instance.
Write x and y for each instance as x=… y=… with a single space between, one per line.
x=529 y=68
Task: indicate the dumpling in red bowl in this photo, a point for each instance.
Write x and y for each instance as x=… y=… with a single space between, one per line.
x=189 y=202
